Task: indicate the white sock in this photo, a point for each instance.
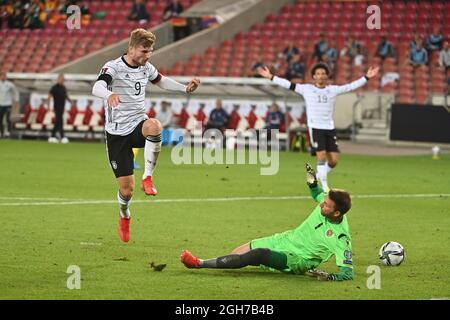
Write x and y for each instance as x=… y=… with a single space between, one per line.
x=328 y=168
x=124 y=206
x=151 y=153
x=322 y=175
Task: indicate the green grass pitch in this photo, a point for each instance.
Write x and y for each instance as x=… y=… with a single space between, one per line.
x=58 y=208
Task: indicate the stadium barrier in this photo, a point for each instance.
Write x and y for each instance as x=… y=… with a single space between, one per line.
x=241 y=91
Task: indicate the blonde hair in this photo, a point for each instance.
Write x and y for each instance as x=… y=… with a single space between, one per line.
x=141 y=37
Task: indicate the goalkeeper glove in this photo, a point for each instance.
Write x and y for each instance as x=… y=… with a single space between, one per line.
x=319 y=274
x=311 y=179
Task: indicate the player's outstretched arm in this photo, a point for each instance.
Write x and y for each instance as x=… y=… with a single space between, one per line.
x=311 y=181
x=311 y=178
x=265 y=73
x=372 y=72
x=343 y=274
x=169 y=84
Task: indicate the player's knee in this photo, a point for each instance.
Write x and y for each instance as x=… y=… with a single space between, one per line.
x=257 y=256
x=242 y=249
x=127 y=191
x=152 y=127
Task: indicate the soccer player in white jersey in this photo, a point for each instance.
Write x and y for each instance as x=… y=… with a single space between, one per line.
x=122 y=84
x=320 y=101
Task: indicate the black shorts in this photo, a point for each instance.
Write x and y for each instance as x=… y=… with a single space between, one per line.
x=120 y=150
x=322 y=139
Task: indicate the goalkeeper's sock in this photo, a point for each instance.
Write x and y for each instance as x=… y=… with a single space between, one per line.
x=322 y=173
x=124 y=205
x=253 y=257
x=151 y=153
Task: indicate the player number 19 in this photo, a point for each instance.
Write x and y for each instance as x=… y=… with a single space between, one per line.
x=322 y=99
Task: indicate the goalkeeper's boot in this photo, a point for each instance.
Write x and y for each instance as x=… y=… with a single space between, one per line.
x=148 y=187
x=189 y=260
x=124 y=229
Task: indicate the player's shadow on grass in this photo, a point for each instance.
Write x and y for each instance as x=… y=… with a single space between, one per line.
x=250 y=273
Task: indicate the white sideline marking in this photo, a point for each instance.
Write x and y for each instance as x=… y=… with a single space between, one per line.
x=22 y=198
x=88 y=202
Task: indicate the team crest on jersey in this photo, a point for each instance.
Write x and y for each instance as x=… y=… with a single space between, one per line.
x=329 y=233
x=114 y=165
x=348 y=254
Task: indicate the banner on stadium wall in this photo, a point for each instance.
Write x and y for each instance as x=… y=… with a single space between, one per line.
x=176 y=104
x=422 y=123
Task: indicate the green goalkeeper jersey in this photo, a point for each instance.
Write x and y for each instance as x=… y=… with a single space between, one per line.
x=317 y=239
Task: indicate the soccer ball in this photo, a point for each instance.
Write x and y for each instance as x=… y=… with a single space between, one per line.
x=392 y=253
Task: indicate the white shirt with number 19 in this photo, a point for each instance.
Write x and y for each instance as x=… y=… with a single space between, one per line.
x=320 y=102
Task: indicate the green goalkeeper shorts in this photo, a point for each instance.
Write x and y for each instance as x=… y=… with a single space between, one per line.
x=295 y=263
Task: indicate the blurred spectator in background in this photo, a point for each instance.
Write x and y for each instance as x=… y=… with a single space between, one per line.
x=218 y=118
x=252 y=117
x=444 y=57
x=16 y=20
x=51 y=5
x=350 y=48
x=359 y=58
x=59 y=94
x=174 y=8
x=234 y=117
x=418 y=56
x=6 y=10
x=331 y=56
x=275 y=118
x=413 y=43
x=320 y=48
x=165 y=115
x=8 y=96
x=33 y=18
x=435 y=40
x=385 y=49
x=289 y=52
x=139 y=12
x=295 y=71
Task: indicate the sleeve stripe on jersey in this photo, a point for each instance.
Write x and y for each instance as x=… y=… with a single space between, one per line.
x=157 y=79
x=105 y=77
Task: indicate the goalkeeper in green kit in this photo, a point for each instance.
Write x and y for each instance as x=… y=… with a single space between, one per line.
x=300 y=251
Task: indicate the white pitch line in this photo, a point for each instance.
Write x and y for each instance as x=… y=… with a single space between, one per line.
x=94 y=202
x=46 y=199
